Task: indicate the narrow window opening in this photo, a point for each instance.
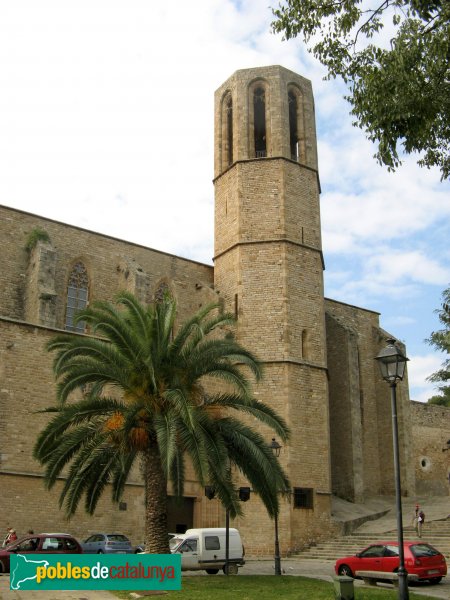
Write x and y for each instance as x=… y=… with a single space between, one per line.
x=236 y=306
x=293 y=130
x=259 y=111
x=229 y=110
x=77 y=297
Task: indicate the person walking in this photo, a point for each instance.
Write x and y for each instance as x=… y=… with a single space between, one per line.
x=420 y=522
x=415 y=520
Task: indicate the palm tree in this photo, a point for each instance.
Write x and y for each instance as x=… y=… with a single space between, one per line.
x=149 y=397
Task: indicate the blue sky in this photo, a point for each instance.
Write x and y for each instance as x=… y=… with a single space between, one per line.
x=106 y=122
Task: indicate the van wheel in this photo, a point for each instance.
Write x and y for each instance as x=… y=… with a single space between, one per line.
x=232 y=569
x=435 y=580
x=212 y=571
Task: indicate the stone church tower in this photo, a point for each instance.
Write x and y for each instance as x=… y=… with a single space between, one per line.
x=268 y=265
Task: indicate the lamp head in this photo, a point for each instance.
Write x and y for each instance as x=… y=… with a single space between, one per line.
x=391 y=362
x=275 y=447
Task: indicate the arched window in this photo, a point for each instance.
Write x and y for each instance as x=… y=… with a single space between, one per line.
x=259 y=122
x=229 y=136
x=77 y=296
x=296 y=124
x=293 y=134
x=226 y=148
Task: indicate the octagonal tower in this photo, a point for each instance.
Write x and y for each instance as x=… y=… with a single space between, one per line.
x=269 y=272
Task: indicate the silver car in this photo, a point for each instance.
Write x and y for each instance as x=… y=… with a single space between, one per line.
x=107 y=543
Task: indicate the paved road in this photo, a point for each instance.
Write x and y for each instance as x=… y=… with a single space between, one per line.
x=316 y=569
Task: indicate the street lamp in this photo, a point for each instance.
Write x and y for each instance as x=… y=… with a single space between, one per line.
x=276 y=448
x=392 y=367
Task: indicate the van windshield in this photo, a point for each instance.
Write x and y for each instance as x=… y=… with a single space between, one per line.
x=174 y=543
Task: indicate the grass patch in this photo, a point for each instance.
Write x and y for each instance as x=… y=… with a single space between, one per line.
x=266 y=587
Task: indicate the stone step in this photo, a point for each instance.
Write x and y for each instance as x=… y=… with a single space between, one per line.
x=436 y=533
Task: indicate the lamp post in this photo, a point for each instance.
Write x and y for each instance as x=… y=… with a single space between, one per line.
x=392 y=367
x=276 y=448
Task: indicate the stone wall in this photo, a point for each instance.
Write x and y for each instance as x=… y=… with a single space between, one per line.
x=27 y=279
x=430 y=433
x=360 y=408
x=32 y=310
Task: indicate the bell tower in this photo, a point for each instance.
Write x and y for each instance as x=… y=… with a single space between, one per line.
x=269 y=272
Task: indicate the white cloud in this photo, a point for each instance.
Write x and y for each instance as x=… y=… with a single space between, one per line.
x=419 y=368
x=396 y=266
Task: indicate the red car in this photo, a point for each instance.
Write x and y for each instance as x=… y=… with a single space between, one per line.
x=421 y=559
x=41 y=543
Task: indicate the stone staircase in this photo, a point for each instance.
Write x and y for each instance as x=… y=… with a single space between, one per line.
x=436 y=533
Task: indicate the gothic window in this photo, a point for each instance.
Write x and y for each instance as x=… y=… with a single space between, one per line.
x=229 y=134
x=296 y=124
x=293 y=134
x=226 y=147
x=259 y=122
x=77 y=296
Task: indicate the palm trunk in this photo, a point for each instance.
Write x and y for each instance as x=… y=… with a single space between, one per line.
x=155 y=484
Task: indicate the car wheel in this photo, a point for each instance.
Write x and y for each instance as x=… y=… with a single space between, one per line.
x=232 y=569
x=345 y=570
x=435 y=580
x=212 y=571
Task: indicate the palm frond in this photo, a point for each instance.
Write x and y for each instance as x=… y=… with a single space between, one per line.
x=261 y=411
x=93 y=463
x=121 y=472
x=178 y=472
x=191 y=329
x=166 y=433
x=64 y=449
x=69 y=416
x=250 y=452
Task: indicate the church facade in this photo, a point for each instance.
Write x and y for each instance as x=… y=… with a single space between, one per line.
x=318 y=354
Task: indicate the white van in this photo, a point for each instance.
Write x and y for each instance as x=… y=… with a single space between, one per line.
x=204 y=549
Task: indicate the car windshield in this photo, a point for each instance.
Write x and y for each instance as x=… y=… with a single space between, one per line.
x=424 y=550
